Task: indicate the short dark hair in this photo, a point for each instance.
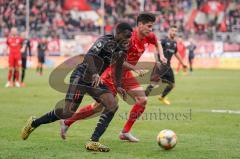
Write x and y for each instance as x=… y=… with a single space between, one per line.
x=146 y=17
x=123 y=26
x=173 y=26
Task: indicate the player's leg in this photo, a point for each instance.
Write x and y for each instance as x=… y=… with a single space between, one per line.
x=37 y=68
x=168 y=78
x=138 y=108
x=110 y=104
x=84 y=112
x=16 y=73
x=178 y=67
x=41 y=64
x=191 y=64
x=63 y=110
x=10 y=71
x=38 y=65
x=41 y=68
x=157 y=73
x=89 y=110
x=24 y=63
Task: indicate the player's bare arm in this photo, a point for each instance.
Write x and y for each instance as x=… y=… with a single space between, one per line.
x=141 y=72
x=180 y=60
x=159 y=49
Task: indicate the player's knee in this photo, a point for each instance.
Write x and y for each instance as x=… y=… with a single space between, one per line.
x=142 y=101
x=112 y=106
x=67 y=110
x=62 y=113
x=97 y=107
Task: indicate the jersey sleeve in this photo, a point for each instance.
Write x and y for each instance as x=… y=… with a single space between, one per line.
x=92 y=56
x=118 y=67
x=163 y=41
x=152 y=39
x=98 y=45
x=176 y=47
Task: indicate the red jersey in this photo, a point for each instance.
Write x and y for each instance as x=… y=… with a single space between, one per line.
x=134 y=53
x=138 y=46
x=181 y=49
x=14 y=43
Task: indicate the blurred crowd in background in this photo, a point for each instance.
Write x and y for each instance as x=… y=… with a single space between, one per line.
x=67 y=18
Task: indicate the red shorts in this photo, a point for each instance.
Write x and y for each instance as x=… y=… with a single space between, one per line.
x=129 y=82
x=14 y=61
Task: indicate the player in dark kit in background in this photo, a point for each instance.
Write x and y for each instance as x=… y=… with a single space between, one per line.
x=107 y=50
x=162 y=72
x=42 y=47
x=191 y=49
x=26 y=51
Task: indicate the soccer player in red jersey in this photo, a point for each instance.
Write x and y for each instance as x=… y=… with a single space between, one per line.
x=181 y=48
x=141 y=37
x=14 y=43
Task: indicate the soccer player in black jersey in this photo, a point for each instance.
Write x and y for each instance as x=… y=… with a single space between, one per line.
x=26 y=51
x=42 y=48
x=107 y=50
x=163 y=72
x=191 y=47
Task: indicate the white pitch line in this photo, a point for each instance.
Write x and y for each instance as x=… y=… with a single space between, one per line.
x=225 y=111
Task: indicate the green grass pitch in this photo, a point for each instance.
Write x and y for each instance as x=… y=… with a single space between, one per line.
x=203 y=135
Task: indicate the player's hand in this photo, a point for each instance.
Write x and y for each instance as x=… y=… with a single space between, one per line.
x=163 y=60
x=96 y=80
x=123 y=93
x=184 y=67
x=140 y=72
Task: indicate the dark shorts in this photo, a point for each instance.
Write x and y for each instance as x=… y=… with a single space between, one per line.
x=24 y=62
x=78 y=88
x=163 y=72
x=190 y=57
x=41 y=59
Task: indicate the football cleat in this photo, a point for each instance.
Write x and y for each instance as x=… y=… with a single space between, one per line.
x=63 y=129
x=128 y=136
x=96 y=146
x=17 y=84
x=28 y=129
x=164 y=100
x=23 y=84
x=8 y=84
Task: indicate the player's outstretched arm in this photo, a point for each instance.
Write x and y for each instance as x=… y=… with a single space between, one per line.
x=180 y=60
x=159 y=49
x=136 y=69
x=117 y=72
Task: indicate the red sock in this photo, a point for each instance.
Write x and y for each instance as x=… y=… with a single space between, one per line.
x=135 y=113
x=82 y=113
x=9 y=75
x=17 y=75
